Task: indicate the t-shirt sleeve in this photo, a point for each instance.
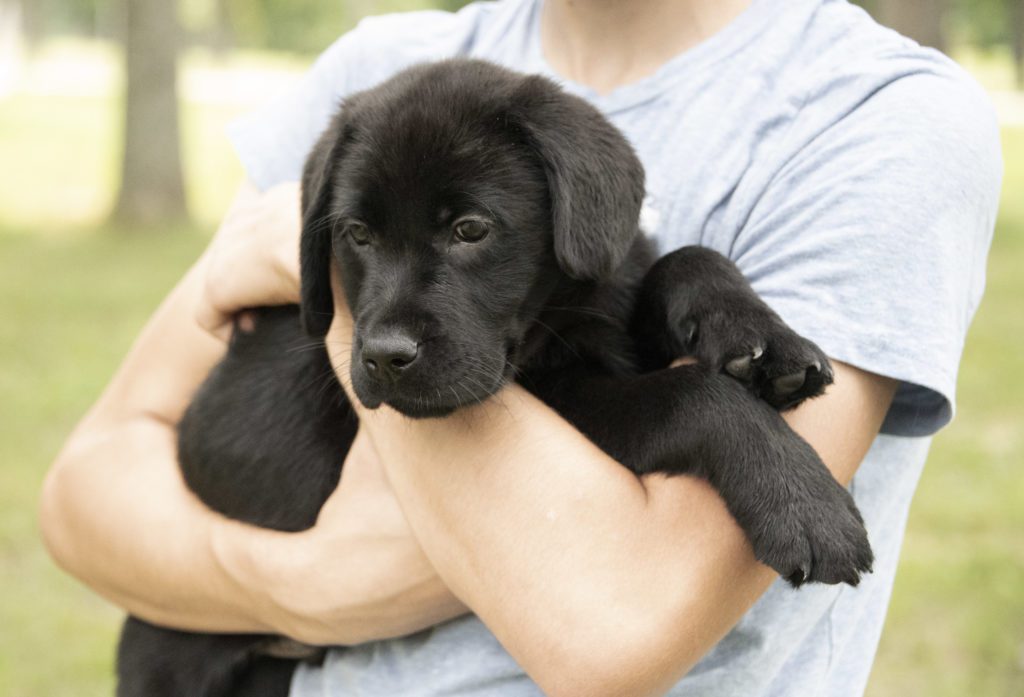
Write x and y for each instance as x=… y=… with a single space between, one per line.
x=872 y=238
x=272 y=142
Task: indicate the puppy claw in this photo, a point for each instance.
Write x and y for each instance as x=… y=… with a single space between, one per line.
x=741 y=368
x=689 y=333
x=798 y=577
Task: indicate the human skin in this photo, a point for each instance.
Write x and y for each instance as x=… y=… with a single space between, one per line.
x=547 y=535
x=115 y=511
x=544 y=540
x=608 y=43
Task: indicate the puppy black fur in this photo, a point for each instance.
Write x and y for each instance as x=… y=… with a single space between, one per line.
x=485 y=225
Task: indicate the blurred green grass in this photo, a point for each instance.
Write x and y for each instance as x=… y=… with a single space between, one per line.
x=956 y=623
x=71 y=307
x=74 y=293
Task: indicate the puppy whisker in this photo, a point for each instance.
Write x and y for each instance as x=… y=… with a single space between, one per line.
x=301 y=348
x=558 y=336
x=581 y=310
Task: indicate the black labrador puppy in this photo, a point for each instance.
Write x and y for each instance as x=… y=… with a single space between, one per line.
x=486 y=228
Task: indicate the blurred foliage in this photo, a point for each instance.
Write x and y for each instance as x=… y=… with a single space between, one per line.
x=984 y=23
x=307 y=26
x=304 y=26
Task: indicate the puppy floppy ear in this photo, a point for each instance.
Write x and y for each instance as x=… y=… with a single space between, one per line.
x=595 y=178
x=315 y=249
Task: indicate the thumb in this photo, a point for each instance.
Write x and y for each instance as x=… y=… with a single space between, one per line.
x=230 y=286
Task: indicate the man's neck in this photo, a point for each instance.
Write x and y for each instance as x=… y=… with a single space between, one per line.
x=605 y=44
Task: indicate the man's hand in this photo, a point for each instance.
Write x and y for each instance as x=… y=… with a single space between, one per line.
x=357 y=575
x=253 y=260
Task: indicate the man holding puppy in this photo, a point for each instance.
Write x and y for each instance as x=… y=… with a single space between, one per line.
x=851 y=175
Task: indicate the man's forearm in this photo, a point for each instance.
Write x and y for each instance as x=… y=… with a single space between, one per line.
x=115 y=511
x=579 y=568
x=596 y=583
x=118 y=516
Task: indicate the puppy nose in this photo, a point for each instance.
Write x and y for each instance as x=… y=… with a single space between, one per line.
x=388 y=355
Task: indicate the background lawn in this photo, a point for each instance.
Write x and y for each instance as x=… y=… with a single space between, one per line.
x=73 y=294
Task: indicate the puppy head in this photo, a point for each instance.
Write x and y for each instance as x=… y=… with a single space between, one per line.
x=454 y=198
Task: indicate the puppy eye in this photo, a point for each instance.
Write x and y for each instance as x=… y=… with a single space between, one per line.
x=471 y=230
x=358 y=233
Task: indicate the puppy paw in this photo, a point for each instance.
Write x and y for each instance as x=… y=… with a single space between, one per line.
x=816 y=541
x=695 y=302
x=739 y=335
x=759 y=350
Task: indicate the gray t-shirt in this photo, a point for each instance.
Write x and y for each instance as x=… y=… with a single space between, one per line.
x=852 y=175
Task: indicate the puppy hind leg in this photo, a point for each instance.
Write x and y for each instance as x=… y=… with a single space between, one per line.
x=155 y=661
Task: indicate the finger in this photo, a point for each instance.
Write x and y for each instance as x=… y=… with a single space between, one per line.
x=210 y=318
x=207 y=312
x=232 y=286
x=253 y=260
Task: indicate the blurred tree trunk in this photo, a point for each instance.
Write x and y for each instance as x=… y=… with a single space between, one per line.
x=12 y=31
x=921 y=20
x=1017 y=29
x=222 y=39
x=152 y=188
x=33 y=17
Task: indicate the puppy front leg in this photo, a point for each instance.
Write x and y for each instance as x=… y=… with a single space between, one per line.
x=695 y=302
x=692 y=420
